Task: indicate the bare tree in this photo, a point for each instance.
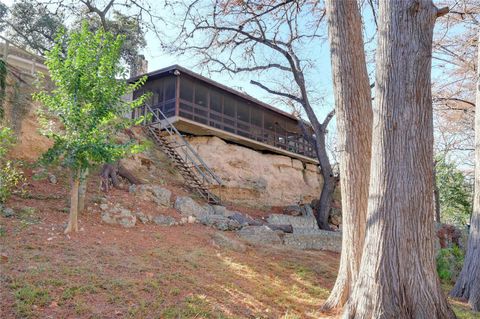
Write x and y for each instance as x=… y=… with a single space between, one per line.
x=468 y=283
x=397 y=276
x=454 y=53
x=353 y=109
x=263 y=38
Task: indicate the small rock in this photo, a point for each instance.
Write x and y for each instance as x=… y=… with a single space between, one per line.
x=335 y=216
x=293 y=210
x=132 y=188
x=8 y=212
x=164 y=220
x=183 y=221
x=52 y=179
x=229 y=243
x=143 y=218
x=191 y=219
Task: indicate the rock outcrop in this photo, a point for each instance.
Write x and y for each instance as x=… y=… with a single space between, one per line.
x=258 y=179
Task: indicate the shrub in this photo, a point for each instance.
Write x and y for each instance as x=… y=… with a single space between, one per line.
x=449 y=263
x=10 y=174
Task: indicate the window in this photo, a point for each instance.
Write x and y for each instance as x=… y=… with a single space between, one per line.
x=201 y=95
x=269 y=121
x=169 y=88
x=186 y=107
x=229 y=106
x=256 y=116
x=186 y=90
x=243 y=112
x=216 y=101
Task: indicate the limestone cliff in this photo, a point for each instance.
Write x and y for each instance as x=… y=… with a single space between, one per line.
x=258 y=179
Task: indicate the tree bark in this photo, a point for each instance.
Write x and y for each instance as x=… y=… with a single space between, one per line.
x=468 y=283
x=82 y=190
x=353 y=109
x=73 y=220
x=397 y=276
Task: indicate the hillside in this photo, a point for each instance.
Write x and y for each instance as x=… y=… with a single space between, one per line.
x=148 y=271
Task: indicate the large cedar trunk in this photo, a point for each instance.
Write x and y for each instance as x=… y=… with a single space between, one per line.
x=353 y=109
x=468 y=283
x=397 y=276
x=72 y=218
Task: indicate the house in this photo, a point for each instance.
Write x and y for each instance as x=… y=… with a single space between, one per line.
x=199 y=106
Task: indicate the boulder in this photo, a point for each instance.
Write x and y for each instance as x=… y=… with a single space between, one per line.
x=159 y=195
x=220 y=222
x=221 y=210
x=261 y=235
x=245 y=220
x=120 y=216
x=225 y=241
x=164 y=220
x=295 y=221
x=315 y=240
x=282 y=228
x=188 y=207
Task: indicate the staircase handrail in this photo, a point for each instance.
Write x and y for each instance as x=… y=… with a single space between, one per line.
x=186 y=143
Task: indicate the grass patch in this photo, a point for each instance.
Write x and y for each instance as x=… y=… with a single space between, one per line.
x=192 y=307
x=70 y=292
x=29 y=296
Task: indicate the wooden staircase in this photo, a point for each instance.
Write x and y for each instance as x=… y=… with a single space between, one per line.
x=198 y=176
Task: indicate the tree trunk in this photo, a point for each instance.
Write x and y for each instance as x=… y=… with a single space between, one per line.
x=397 y=276
x=82 y=190
x=323 y=207
x=468 y=283
x=353 y=109
x=72 y=221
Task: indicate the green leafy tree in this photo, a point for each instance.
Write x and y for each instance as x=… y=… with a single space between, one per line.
x=87 y=100
x=31 y=24
x=455 y=193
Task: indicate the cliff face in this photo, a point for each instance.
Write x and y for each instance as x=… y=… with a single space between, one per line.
x=256 y=179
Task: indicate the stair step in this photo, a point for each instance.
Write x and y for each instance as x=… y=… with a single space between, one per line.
x=187 y=168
